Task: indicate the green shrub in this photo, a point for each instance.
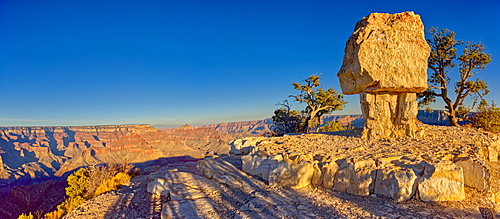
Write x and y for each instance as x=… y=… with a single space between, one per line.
x=333 y=126
x=487 y=117
x=78 y=183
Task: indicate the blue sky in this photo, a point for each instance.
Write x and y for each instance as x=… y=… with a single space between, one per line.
x=168 y=63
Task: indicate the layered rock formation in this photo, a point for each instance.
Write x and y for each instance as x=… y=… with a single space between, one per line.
x=205 y=139
x=386 y=62
x=243 y=129
x=33 y=152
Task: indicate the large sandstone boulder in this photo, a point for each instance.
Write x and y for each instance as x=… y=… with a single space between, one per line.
x=476 y=175
x=443 y=181
x=260 y=165
x=356 y=177
x=290 y=174
x=386 y=53
x=398 y=176
x=386 y=62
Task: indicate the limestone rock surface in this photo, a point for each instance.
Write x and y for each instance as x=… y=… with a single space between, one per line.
x=476 y=175
x=260 y=165
x=443 y=182
x=159 y=187
x=290 y=174
x=356 y=177
x=386 y=53
x=398 y=177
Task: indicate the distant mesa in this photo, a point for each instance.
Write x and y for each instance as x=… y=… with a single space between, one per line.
x=186 y=127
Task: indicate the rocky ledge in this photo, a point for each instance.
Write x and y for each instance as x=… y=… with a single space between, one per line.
x=437 y=166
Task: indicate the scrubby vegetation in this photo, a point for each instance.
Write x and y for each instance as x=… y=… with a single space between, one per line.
x=86 y=183
x=319 y=102
x=487 y=118
x=26 y=216
x=333 y=126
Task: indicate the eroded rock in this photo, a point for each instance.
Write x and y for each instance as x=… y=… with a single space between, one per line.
x=290 y=174
x=443 y=181
x=356 y=177
x=386 y=53
x=386 y=62
x=260 y=165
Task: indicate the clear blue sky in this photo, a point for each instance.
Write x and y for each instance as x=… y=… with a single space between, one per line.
x=168 y=63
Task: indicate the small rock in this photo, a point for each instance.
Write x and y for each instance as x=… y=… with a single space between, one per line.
x=302 y=207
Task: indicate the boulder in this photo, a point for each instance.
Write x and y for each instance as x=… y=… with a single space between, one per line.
x=244 y=146
x=443 y=181
x=329 y=170
x=385 y=61
x=260 y=165
x=398 y=175
x=398 y=183
x=476 y=175
x=159 y=187
x=290 y=174
x=356 y=177
x=386 y=53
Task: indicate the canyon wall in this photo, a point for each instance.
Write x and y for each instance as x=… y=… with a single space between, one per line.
x=38 y=152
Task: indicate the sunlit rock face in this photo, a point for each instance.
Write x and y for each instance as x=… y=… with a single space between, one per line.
x=33 y=152
x=386 y=62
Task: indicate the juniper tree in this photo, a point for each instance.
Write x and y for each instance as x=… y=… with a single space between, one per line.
x=441 y=61
x=319 y=101
x=286 y=120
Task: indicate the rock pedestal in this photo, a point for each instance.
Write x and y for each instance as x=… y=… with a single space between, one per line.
x=386 y=62
x=389 y=114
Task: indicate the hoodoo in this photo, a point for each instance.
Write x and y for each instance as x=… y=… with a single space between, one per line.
x=385 y=62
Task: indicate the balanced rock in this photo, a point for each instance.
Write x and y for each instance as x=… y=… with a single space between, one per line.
x=386 y=53
x=386 y=62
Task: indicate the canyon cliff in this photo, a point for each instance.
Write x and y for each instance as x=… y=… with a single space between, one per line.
x=40 y=152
